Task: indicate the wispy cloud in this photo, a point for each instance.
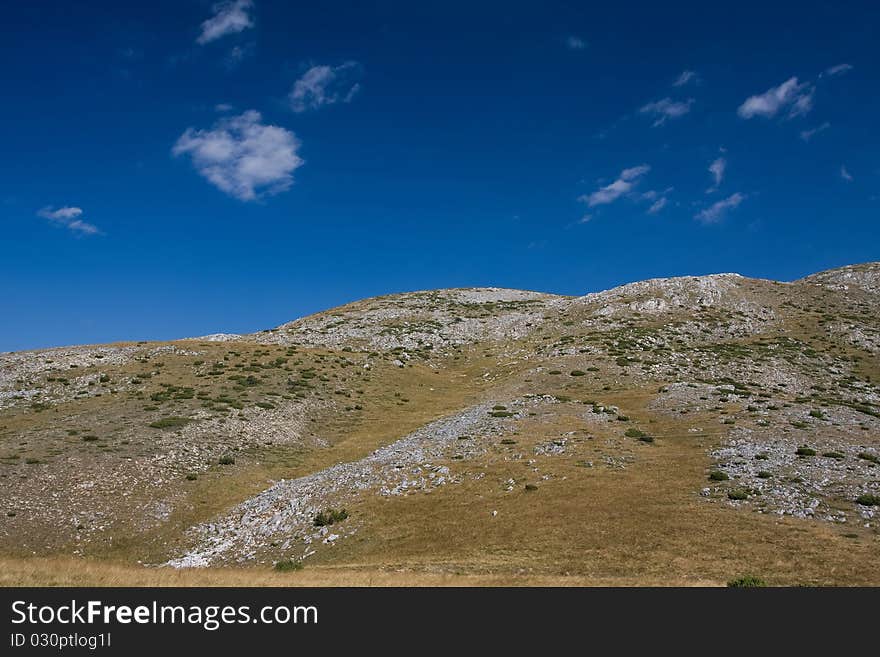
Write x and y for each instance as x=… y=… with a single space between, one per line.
x=666 y=109
x=840 y=69
x=684 y=78
x=625 y=182
x=237 y=55
x=796 y=97
x=716 y=212
x=242 y=156
x=807 y=135
x=575 y=43
x=717 y=169
x=229 y=17
x=845 y=174
x=325 y=85
x=658 y=205
x=69 y=217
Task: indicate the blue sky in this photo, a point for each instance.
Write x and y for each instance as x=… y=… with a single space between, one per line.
x=179 y=168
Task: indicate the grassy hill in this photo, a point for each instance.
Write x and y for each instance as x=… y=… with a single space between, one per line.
x=673 y=431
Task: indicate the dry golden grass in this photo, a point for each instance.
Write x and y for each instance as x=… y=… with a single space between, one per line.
x=65 y=571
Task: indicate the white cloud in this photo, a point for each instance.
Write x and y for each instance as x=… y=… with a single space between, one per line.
x=68 y=216
x=840 y=69
x=623 y=185
x=575 y=43
x=715 y=212
x=237 y=55
x=797 y=97
x=223 y=107
x=667 y=108
x=242 y=156
x=658 y=205
x=229 y=17
x=64 y=214
x=684 y=78
x=717 y=169
x=807 y=135
x=845 y=174
x=325 y=85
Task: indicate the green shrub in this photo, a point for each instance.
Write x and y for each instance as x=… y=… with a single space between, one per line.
x=226 y=459
x=577 y=373
x=805 y=451
x=763 y=474
x=90 y=438
x=171 y=423
x=288 y=565
x=748 y=581
x=718 y=475
x=632 y=432
x=191 y=477
x=834 y=455
x=501 y=414
x=329 y=517
x=867 y=456
x=868 y=500
x=817 y=414
x=531 y=487
x=737 y=495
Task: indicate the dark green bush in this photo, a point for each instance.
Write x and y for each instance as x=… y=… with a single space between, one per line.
x=288 y=565
x=748 y=581
x=868 y=500
x=329 y=517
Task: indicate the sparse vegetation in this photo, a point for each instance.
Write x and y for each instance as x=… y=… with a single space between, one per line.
x=748 y=581
x=329 y=517
x=171 y=423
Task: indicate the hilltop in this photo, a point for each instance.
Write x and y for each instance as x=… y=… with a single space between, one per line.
x=674 y=430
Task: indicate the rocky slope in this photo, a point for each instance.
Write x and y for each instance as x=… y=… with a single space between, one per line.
x=227 y=449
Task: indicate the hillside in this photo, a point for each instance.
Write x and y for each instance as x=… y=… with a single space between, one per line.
x=669 y=431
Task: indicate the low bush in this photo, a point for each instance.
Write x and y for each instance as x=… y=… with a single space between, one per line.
x=329 y=517
x=748 y=581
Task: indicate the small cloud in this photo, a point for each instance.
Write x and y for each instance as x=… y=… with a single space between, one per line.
x=807 y=135
x=242 y=156
x=667 y=108
x=716 y=212
x=623 y=185
x=68 y=217
x=717 y=169
x=585 y=219
x=237 y=54
x=845 y=174
x=575 y=43
x=325 y=85
x=223 y=107
x=797 y=97
x=229 y=17
x=840 y=69
x=685 y=77
x=658 y=205
x=67 y=213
